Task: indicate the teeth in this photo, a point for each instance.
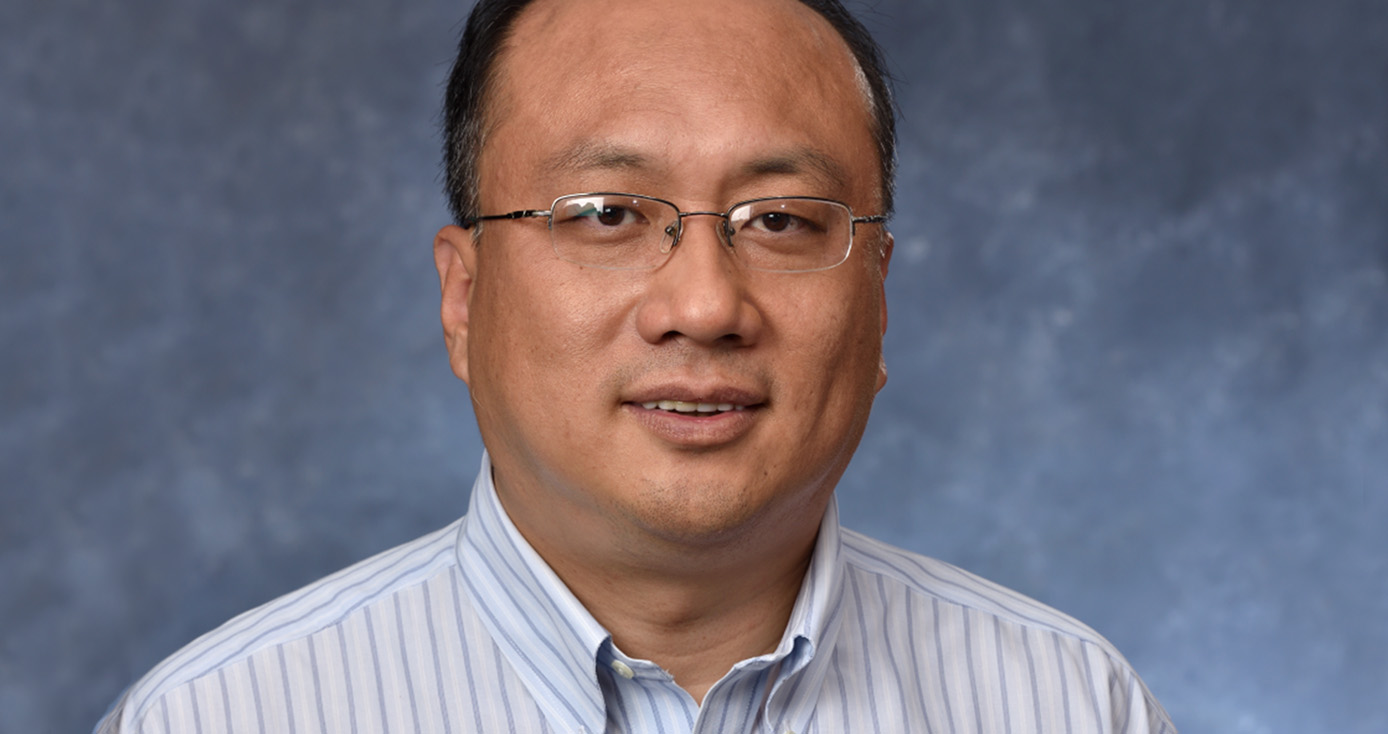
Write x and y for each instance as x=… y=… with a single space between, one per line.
x=679 y=406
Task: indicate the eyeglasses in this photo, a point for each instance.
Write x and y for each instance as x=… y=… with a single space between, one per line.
x=789 y=234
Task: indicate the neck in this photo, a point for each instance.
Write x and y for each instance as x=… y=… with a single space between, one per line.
x=695 y=609
x=696 y=628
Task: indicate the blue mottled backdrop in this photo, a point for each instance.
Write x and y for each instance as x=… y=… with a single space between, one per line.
x=1138 y=343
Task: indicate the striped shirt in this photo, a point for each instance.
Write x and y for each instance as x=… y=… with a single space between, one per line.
x=469 y=630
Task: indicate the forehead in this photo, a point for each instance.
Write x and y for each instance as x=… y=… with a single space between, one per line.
x=645 y=83
x=749 y=33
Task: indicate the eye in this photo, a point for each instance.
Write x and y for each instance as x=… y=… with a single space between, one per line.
x=777 y=223
x=774 y=221
x=601 y=212
x=612 y=216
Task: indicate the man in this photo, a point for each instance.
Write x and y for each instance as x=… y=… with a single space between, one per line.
x=670 y=376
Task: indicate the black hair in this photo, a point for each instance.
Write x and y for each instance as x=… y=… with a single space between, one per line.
x=488 y=27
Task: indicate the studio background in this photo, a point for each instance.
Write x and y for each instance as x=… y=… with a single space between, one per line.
x=1138 y=337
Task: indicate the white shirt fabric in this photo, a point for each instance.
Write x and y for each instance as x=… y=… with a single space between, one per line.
x=467 y=629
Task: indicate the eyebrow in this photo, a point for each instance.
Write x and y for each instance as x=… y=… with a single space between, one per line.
x=594 y=156
x=801 y=161
x=601 y=156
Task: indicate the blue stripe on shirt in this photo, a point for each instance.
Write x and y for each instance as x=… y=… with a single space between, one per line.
x=467 y=627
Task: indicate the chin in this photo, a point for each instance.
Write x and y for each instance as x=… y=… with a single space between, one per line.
x=706 y=512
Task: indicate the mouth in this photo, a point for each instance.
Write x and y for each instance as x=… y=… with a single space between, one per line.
x=697 y=417
x=692 y=408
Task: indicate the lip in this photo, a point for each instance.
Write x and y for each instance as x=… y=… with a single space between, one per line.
x=694 y=430
x=689 y=393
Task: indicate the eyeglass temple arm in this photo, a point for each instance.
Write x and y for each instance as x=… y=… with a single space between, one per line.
x=471 y=222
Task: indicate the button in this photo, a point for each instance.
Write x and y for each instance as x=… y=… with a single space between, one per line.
x=623 y=669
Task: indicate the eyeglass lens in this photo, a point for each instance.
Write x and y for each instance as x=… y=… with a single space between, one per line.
x=628 y=232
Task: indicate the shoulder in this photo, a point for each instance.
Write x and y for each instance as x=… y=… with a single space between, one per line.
x=300 y=614
x=905 y=572
x=945 y=629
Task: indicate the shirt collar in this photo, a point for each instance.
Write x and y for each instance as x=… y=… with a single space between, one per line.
x=805 y=652
x=543 y=629
x=817 y=605
x=547 y=635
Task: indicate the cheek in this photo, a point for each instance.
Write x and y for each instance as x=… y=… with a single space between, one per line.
x=836 y=324
x=546 y=328
x=832 y=347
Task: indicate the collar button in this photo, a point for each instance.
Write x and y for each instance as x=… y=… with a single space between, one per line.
x=622 y=669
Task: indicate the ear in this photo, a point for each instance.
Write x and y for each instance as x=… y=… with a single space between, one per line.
x=884 y=260
x=455 y=257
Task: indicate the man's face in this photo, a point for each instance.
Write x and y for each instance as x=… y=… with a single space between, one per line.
x=703 y=104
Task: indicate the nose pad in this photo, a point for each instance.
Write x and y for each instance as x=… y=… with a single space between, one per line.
x=725 y=230
x=670 y=237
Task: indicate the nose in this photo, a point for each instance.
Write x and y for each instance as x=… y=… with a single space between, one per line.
x=700 y=293
x=675 y=230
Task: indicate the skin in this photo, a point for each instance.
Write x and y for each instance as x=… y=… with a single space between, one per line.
x=687 y=538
